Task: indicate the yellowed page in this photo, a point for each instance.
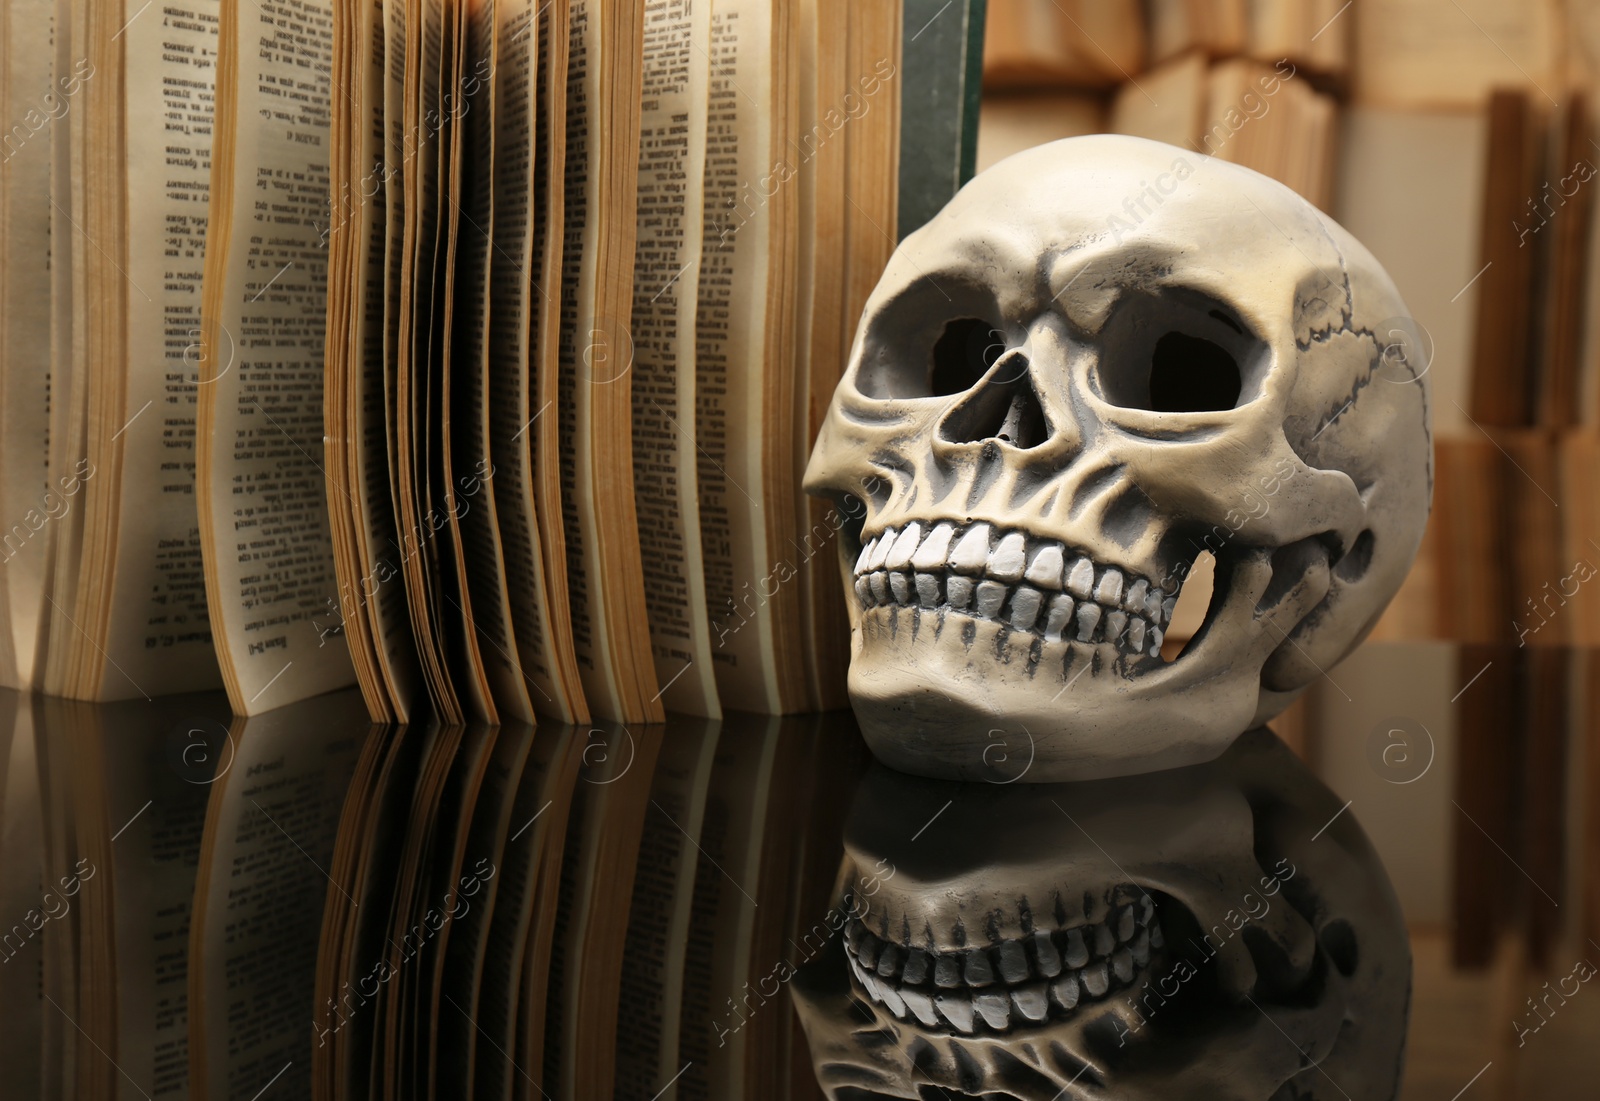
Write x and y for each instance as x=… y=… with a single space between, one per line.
x=366 y=210
x=510 y=366
x=345 y=258
x=457 y=467
x=742 y=573
x=543 y=421
x=157 y=630
x=262 y=492
x=416 y=148
x=67 y=365
x=476 y=390
x=33 y=101
x=825 y=85
x=604 y=568
x=59 y=637
x=672 y=144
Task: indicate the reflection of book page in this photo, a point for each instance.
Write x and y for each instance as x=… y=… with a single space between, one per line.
x=58 y=776
x=601 y=858
x=157 y=630
x=142 y=825
x=33 y=101
x=259 y=894
x=659 y=918
x=724 y=913
x=538 y=813
x=463 y=975
x=672 y=139
x=351 y=992
x=29 y=901
x=604 y=569
x=263 y=503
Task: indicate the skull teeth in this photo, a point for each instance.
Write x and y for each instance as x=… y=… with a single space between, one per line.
x=1012 y=982
x=1029 y=584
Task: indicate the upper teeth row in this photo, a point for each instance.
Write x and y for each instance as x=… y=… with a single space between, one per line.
x=987 y=569
x=1023 y=978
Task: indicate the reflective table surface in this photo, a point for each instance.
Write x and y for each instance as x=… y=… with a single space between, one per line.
x=305 y=905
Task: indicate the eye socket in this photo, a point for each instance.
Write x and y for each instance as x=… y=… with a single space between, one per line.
x=1178 y=351
x=935 y=337
x=1189 y=374
x=963 y=354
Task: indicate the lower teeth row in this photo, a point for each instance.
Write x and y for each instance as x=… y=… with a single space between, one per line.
x=1021 y=607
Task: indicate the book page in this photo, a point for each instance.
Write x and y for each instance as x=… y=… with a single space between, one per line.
x=544 y=340
x=746 y=383
x=672 y=144
x=69 y=366
x=263 y=498
x=828 y=93
x=158 y=635
x=475 y=389
x=746 y=182
x=363 y=210
x=511 y=367
x=457 y=472
x=412 y=141
x=604 y=567
x=274 y=810
x=33 y=100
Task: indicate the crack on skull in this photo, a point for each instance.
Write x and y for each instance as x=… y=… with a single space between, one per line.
x=1346 y=325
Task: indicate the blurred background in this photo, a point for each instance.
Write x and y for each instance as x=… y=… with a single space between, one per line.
x=1456 y=140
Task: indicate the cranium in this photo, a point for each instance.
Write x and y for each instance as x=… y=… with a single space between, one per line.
x=1105 y=356
x=1203 y=933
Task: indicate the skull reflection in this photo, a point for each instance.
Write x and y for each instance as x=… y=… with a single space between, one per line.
x=1105 y=356
x=1183 y=935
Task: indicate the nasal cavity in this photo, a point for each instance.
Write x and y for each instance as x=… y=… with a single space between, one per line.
x=1003 y=407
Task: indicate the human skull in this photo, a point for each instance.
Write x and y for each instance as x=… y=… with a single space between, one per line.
x=1105 y=356
x=1204 y=933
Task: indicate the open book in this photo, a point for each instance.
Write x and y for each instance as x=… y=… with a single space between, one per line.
x=464 y=351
